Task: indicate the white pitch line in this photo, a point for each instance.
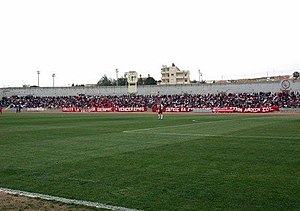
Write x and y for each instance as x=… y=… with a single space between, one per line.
x=65 y=200
x=213 y=135
x=141 y=131
x=82 y=180
x=197 y=123
x=171 y=126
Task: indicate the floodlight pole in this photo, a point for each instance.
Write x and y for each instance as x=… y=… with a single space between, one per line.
x=117 y=71
x=200 y=75
x=53 y=75
x=38 y=73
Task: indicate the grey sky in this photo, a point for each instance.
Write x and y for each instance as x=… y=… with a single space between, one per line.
x=80 y=41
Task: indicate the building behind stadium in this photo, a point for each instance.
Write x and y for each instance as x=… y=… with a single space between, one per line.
x=198 y=88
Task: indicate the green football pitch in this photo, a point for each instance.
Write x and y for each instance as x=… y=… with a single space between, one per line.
x=184 y=162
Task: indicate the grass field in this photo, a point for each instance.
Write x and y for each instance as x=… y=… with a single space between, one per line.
x=184 y=162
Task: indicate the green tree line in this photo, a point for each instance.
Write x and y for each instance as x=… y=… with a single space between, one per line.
x=105 y=81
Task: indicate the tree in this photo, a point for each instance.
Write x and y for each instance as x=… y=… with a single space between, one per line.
x=122 y=81
x=140 y=81
x=150 y=81
x=104 y=81
x=296 y=75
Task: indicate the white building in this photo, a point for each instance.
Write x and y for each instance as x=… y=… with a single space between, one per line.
x=173 y=75
x=132 y=82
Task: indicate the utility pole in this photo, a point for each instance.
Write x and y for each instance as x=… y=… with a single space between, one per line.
x=53 y=75
x=200 y=76
x=117 y=71
x=38 y=73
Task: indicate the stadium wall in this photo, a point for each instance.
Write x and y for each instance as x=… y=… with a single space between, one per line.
x=147 y=90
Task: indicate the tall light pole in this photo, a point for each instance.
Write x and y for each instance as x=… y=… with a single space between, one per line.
x=53 y=75
x=117 y=71
x=200 y=76
x=38 y=73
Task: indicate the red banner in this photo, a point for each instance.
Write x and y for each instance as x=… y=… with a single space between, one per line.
x=111 y=109
x=246 y=110
x=223 y=110
x=175 y=109
x=131 y=109
x=178 y=109
x=72 y=109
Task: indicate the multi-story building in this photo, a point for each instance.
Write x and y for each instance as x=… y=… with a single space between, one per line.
x=173 y=75
x=132 y=80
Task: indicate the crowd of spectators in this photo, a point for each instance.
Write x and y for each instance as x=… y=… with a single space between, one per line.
x=221 y=100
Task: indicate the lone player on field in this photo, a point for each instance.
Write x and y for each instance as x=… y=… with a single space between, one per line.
x=160 y=111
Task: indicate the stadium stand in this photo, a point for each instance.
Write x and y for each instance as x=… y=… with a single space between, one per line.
x=221 y=100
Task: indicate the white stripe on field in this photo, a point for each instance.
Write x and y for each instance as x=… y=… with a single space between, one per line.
x=194 y=123
x=171 y=126
x=83 y=180
x=65 y=200
x=142 y=131
x=213 y=135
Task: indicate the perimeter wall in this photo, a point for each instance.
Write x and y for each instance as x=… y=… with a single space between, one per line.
x=148 y=90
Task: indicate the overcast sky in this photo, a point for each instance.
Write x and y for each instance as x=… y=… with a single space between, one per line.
x=80 y=41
